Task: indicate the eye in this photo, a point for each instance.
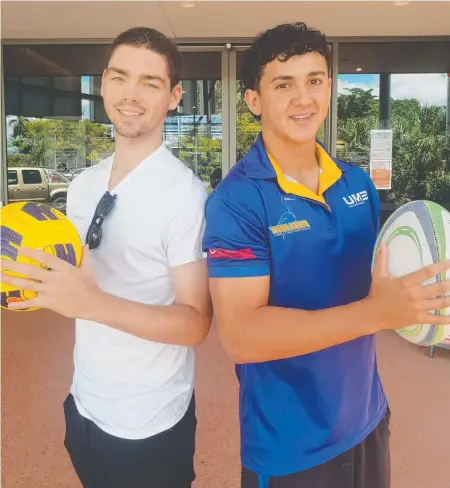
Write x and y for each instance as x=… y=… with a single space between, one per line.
x=117 y=78
x=152 y=86
x=316 y=81
x=282 y=86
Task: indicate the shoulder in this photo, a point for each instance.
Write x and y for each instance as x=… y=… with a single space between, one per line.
x=82 y=185
x=84 y=180
x=182 y=186
x=172 y=168
x=238 y=189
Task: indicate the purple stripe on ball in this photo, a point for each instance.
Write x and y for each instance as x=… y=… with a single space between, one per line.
x=9 y=294
x=8 y=238
x=39 y=212
x=66 y=253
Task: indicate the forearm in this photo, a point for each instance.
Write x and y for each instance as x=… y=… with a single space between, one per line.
x=172 y=324
x=271 y=333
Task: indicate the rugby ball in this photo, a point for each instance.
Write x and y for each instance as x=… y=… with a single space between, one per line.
x=418 y=234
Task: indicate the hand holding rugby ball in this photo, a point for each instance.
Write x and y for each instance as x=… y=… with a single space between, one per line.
x=417 y=236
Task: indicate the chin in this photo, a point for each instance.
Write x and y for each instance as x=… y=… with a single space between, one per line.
x=129 y=132
x=302 y=138
x=298 y=135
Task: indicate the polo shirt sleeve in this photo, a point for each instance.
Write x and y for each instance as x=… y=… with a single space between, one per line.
x=184 y=233
x=235 y=239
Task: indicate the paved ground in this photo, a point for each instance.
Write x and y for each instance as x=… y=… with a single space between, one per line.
x=36 y=372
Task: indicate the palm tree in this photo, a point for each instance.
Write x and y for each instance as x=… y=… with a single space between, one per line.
x=419 y=151
x=19 y=127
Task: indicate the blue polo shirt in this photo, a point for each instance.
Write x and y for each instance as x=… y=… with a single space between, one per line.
x=300 y=412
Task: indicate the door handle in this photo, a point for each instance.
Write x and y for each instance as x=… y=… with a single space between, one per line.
x=39 y=188
x=14 y=189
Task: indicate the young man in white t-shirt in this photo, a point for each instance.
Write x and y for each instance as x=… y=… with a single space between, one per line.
x=141 y=296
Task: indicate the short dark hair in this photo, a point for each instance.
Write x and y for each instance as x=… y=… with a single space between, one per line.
x=153 y=40
x=281 y=42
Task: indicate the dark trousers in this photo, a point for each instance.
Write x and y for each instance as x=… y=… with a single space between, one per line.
x=367 y=465
x=101 y=460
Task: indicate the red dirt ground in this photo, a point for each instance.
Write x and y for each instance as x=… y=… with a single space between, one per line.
x=36 y=374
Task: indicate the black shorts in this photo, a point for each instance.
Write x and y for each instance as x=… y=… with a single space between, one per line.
x=101 y=460
x=367 y=465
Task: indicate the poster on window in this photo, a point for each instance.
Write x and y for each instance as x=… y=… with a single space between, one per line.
x=381 y=158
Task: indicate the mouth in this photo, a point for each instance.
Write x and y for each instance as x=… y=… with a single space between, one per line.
x=299 y=118
x=129 y=113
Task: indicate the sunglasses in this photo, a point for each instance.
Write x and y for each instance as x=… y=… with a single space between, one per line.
x=104 y=207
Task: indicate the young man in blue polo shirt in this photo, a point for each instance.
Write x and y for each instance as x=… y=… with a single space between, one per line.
x=290 y=234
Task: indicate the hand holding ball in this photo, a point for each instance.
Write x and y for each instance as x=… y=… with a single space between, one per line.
x=36 y=226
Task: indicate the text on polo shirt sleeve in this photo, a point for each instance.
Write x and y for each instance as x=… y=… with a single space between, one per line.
x=235 y=241
x=183 y=238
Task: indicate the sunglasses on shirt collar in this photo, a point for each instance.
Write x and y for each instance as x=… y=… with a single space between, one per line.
x=104 y=207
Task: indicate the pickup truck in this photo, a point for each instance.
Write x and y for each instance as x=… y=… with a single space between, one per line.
x=38 y=185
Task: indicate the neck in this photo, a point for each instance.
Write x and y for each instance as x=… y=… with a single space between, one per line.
x=130 y=152
x=292 y=157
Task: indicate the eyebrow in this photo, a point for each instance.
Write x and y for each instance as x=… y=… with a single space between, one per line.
x=290 y=77
x=144 y=76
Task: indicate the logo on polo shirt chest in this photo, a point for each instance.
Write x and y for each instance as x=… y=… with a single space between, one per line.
x=356 y=199
x=289 y=228
x=288 y=222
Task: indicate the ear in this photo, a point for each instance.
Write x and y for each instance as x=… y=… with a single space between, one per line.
x=253 y=101
x=175 y=97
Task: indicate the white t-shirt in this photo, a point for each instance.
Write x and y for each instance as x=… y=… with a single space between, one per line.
x=131 y=387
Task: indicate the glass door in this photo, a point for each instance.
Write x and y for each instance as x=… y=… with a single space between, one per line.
x=194 y=132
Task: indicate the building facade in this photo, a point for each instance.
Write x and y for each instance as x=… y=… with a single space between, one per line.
x=391 y=83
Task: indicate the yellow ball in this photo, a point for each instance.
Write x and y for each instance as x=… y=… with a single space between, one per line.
x=37 y=226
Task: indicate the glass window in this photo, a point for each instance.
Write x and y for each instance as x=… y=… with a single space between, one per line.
x=31 y=177
x=56 y=120
x=12 y=177
x=357 y=112
x=402 y=87
x=193 y=132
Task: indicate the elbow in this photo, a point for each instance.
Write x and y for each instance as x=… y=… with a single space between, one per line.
x=237 y=353
x=201 y=332
x=234 y=343
x=237 y=356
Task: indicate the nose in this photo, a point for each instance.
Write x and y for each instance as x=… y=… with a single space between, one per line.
x=131 y=91
x=301 y=96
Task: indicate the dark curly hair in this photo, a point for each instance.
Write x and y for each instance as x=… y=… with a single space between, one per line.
x=282 y=42
x=153 y=40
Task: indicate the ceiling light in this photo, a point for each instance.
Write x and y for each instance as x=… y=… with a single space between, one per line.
x=401 y=4
x=188 y=4
x=358 y=69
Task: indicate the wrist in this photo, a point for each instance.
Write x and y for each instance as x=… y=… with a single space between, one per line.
x=371 y=315
x=93 y=305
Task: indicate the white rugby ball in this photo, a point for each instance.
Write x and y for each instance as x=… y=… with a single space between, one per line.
x=417 y=235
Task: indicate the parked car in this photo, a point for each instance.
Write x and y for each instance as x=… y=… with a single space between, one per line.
x=38 y=185
x=73 y=173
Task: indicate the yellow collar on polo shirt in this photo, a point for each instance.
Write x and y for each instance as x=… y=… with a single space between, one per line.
x=329 y=175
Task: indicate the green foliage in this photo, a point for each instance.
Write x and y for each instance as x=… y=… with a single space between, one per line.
x=420 y=151
x=47 y=143
x=358 y=103
x=201 y=154
x=420 y=144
